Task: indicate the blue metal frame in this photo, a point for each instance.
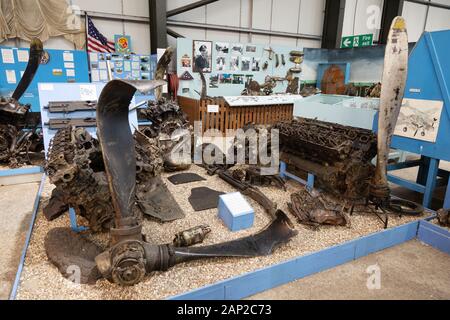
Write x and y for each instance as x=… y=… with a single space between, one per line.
x=284 y=174
x=267 y=278
x=21 y=171
x=434 y=236
x=73 y=222
x=299 y=267
x=428 y=81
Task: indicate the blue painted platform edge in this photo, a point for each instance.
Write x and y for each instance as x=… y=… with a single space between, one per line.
x=435 y=236
x=269 y=277
x=37 y=200
x=21 y=171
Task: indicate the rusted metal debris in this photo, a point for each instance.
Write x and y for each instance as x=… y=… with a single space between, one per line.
x=315 y=208
x=75 y=166
x=129 y=258
x=339 y=156
x=443 y=216
x=16 y=143
x=191 y=236
x=173 y=131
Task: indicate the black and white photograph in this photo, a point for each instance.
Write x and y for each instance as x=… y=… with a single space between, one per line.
x=250 y=48
x=255 y=64
x=202 y=56
x=220 y=63
x=222 y=48
x=234 y=63
x=246 y=61
x=237 y=48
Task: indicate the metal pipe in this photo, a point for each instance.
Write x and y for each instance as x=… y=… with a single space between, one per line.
x=174 y=34
x=189 y=7
x=241 y=29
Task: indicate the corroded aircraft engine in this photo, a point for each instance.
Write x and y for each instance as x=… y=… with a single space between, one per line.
x=14 y=116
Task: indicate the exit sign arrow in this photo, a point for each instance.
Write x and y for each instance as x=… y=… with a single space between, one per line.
x=363 y=40
x=347 y=42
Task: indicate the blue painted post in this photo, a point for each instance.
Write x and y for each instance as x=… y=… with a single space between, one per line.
x=423 y=170
x=73 y=222
x=283 y=167
x=310 y=183
x=431 y=182
x=447 y=197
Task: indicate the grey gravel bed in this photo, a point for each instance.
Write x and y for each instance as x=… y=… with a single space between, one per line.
x=41 y=280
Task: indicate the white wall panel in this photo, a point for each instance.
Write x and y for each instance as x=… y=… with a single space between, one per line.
x=196 y=15
x=414 y=15
x=349 y=15
x=446 y=2
x=311 y=17
x=438 y=19
x=260 y=39
x=306 y=43
x=283 y=41
x=246 y=15
x=136 y=8
x=285 y=15
x=106 y=6
x=59 y=43
x=261 y=14
x=361 y=16
x=227 y=13
x=222 y=36
x=191 y=33
x=140 y=37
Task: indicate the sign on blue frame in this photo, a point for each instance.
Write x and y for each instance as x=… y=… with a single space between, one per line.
x=65 y=66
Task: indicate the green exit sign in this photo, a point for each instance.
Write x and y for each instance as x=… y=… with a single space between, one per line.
x=363 y=40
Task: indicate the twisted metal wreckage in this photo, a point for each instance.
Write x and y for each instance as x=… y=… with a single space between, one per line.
x=18 y=134
x=114 y=181
x=340 y=156
x=129 y=257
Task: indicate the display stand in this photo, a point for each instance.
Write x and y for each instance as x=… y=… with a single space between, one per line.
x=428 y=80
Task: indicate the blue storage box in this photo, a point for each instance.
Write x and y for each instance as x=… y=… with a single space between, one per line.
x=235 y=211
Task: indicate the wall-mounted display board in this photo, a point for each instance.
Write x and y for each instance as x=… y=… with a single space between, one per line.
x=228 y=65
x=61 y=66
x=123 y=66
x=52 y=92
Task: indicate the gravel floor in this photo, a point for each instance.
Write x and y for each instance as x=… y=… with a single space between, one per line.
x=41 y=280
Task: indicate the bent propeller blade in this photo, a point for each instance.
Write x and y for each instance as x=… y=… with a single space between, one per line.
x=393 y=86
x=117 y=142
x=36 y=51
x=263 y=243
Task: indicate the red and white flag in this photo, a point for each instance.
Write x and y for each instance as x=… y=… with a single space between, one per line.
x=96 y=42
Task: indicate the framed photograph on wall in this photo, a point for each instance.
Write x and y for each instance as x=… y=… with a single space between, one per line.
x=202 y=53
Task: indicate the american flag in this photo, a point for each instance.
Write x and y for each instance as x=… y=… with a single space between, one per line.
x=96 y=42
